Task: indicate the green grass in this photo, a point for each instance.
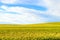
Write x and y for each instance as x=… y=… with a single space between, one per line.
x=46 y=31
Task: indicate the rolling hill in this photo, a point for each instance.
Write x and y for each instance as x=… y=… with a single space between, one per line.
x=31 y=25
x=43 y=26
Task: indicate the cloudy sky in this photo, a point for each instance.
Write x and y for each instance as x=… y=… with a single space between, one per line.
x=29 y=11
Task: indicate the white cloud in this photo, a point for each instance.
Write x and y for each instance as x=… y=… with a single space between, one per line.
x=53 y=7
x=8 y=1
x=22 y=16
x=19 y=1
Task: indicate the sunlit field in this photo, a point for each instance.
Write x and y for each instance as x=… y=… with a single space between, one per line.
x=47 y=31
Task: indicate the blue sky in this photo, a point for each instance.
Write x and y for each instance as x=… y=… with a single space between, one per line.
x=29 y=11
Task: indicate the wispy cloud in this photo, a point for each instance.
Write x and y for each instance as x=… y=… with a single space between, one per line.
x=19 y=1
x=29 y=11
x=53 y=7
x=8 y=1
x=20 y=15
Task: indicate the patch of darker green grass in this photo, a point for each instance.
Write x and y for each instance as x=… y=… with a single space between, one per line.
x=30 y=38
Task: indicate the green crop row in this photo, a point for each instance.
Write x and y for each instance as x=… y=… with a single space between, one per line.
x=30 y=38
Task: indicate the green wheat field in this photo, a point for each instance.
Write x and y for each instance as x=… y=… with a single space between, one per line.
x=46 y=31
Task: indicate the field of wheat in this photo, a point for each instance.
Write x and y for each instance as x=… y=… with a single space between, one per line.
x=30 y=32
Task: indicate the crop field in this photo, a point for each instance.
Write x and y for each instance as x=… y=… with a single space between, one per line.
x=49 y=31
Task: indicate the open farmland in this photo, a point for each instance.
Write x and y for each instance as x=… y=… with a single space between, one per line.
x=47 y=31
